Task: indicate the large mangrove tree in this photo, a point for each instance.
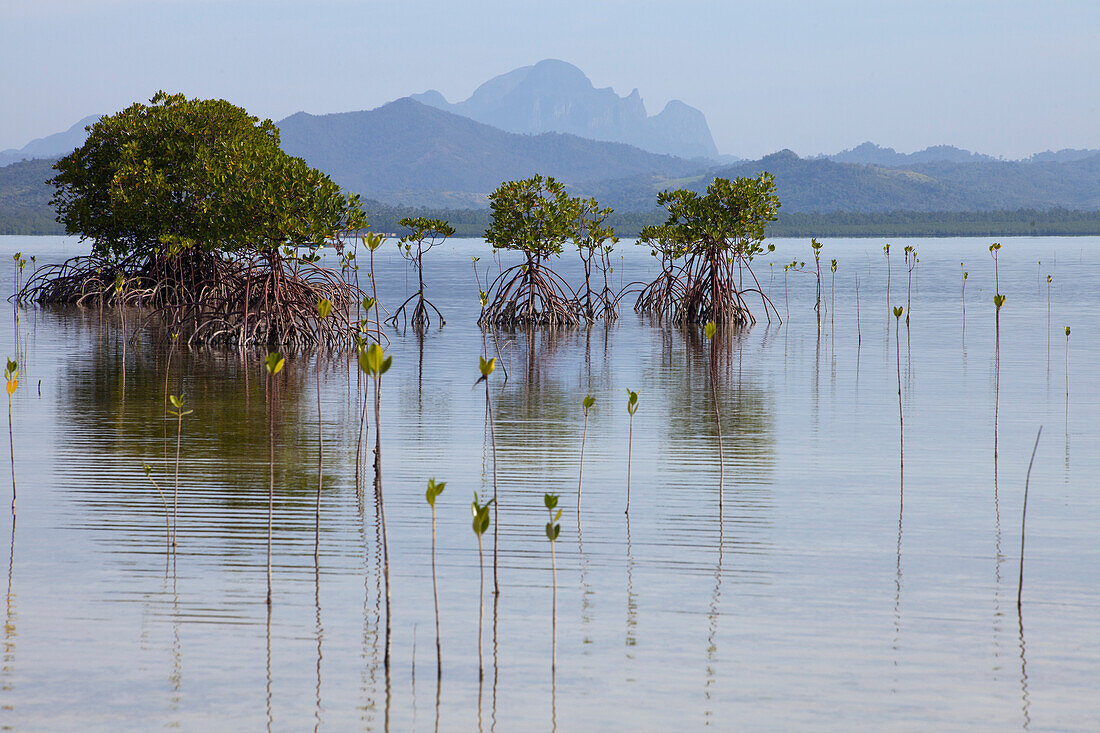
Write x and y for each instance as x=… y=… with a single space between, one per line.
x=195 y=209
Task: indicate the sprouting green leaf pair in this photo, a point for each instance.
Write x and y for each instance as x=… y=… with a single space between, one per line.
x=631 y=401
x=998 y=300
x=898 y=310
x=274 y=363
x=481 y=515
x=177 y=402
x=434 y=490
x=12 y=375
x=373 y=360
x=324 y=307
x=486 y=368
x=587 y=403
x=553 y=528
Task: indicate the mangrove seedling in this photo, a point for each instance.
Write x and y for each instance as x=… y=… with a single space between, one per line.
x=486 y=368
x=480 y=524
x=631 y=407
x=832 y=295
x=273 y=363
x=994 y=250
x=11 y=374
x=586 y=404
x=553 y=529
x=816 y=247
x=962 y=293
x=424 y=235
x=898 y=310
x=435 y=488
x=164 y=501
x=374 y=362
x=889 y=270
x=1067 y=368
x=910 y=263
x=178 y=412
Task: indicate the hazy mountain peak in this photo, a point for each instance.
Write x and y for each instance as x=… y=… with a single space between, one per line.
x=556 y=96
x=869 y=153
x=51 y=146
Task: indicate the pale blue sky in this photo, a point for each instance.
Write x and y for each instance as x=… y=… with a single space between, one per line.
x=1005 y=78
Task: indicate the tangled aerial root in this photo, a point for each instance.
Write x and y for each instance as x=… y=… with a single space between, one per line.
x=263 y=300
x=530 y=295
x=703 y=288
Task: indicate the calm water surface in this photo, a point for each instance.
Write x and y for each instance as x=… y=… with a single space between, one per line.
x=829 y=593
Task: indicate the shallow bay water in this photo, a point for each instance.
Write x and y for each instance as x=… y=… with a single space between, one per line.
x=831 y=591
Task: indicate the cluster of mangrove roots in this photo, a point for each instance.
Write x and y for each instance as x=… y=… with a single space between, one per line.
x=531 y=294
x=703 y=287
x=261 y=300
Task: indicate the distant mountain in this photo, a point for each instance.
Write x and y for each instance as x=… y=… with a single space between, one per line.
x=554 y=96
x=1066 y=155
x=870 y=154
x=405 y=152
x=822 y=185
x=52 y=146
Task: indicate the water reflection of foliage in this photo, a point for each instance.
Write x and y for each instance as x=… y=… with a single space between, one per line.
x=225 y=450
x=685 y=376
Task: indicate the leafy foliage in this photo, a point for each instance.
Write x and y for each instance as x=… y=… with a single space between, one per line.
x=180 y=173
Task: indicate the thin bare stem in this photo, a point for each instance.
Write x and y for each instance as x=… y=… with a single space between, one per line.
x=1023 y=520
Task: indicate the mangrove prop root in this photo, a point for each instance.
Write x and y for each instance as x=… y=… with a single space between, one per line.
x=262 y=300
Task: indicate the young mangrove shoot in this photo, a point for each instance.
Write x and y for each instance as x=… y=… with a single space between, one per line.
x=898 y=310
x=631 y=407
x=486 y=368
x=435 y=488
x=374 y=362
x=553 y=529
x=177 y=412
x=11 y=374
x=480 y=524
x=586 y=404
x=273 y=363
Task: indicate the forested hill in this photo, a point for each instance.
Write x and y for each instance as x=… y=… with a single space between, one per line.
x=408 y=153
x=25 y=199
x=820 y=185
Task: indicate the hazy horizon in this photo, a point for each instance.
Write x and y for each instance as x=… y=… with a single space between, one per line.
x=1002 y=79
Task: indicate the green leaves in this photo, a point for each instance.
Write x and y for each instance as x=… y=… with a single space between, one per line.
x=481 y=515
x=1067 y=331
x=368 y=303
x=486 y=367
x=373 y=360
x=533 y=215
x=631 y=402
x=324 y=307
x=274 y=363
x=728 y=219
x=372 y=241
x=710 y=329
x=177 y=402
x=11 y=373
x=180 y=173
x=832 y=266
x=898 y=310
x=434 y=490
x=998 y=300
x=553 y=529
x=587 y=403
